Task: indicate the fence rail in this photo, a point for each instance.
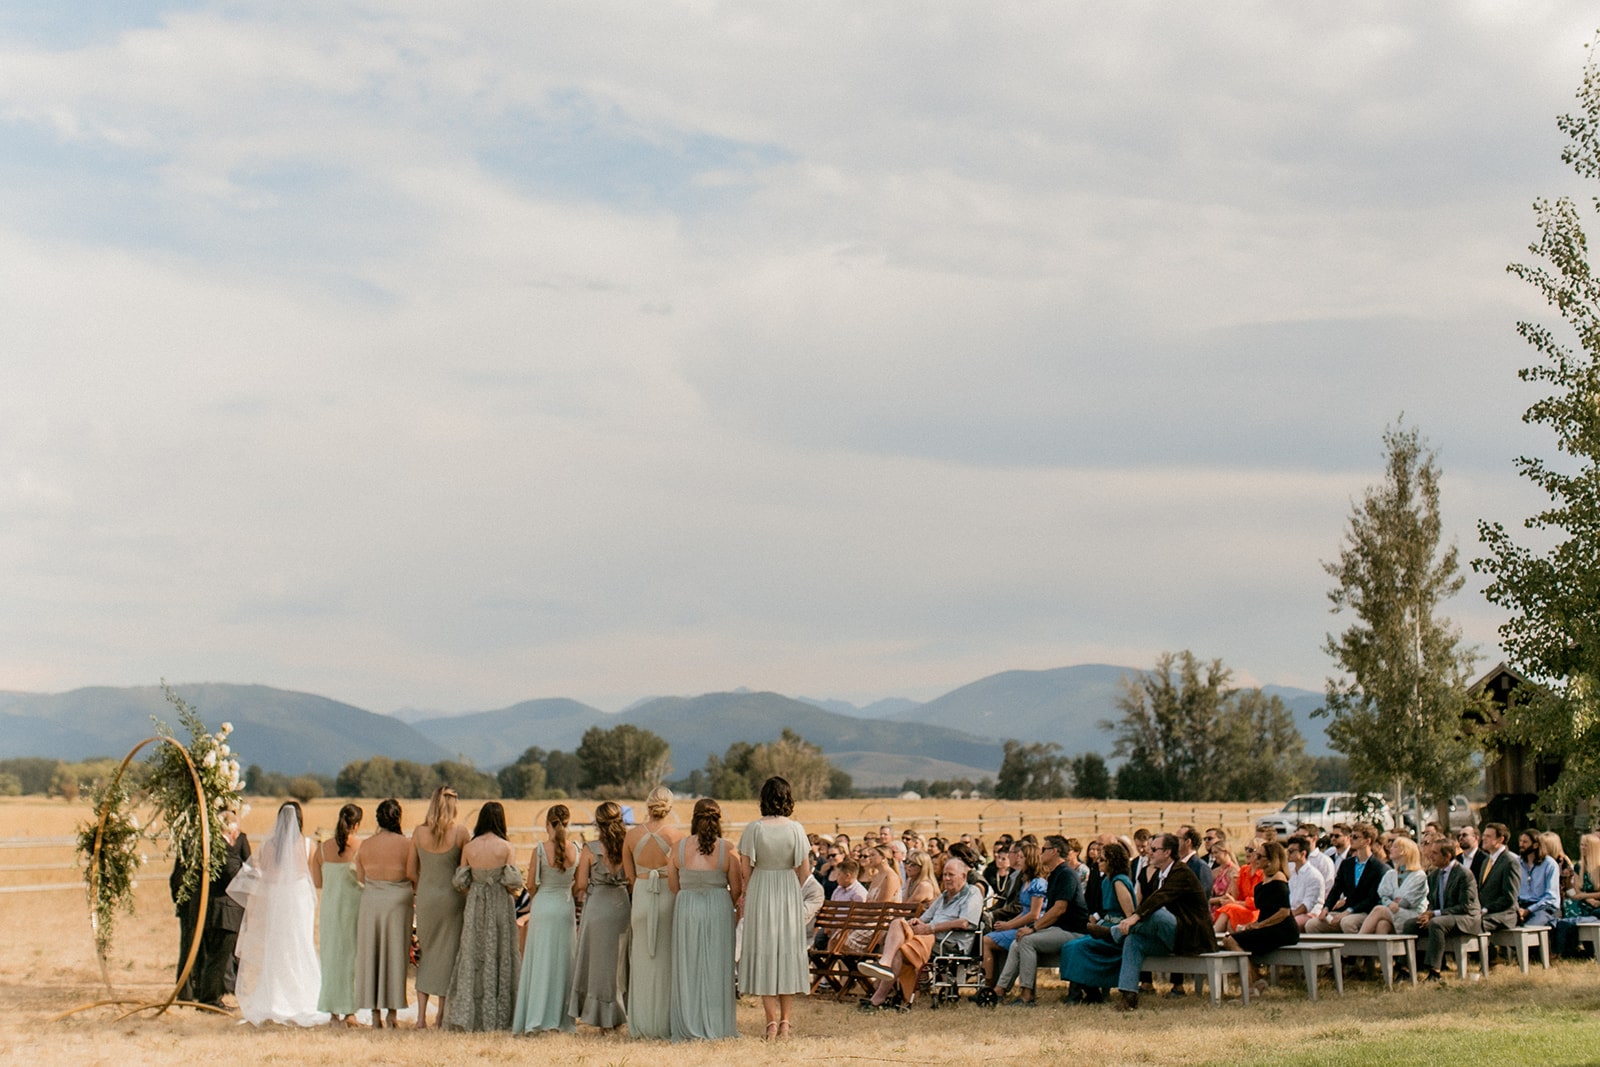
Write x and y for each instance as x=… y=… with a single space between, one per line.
x=46 y=844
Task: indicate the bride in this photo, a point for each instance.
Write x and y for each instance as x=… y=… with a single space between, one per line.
x=278 y=972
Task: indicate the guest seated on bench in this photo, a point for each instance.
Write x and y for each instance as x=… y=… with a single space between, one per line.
x=1174 y=919
x=1403 y=893
x=1275 y=926
x=1539 y=899
x=1355 y=887
x=1452 y=904
x=908 y=944
x=1501 y=882
x=1307 y=887
x=1582 y=906
x=1004 y=933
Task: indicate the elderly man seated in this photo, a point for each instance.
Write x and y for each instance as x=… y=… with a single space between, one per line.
x=908 y=945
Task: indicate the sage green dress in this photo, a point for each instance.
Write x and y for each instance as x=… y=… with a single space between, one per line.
x=600 y=974
x=336 y=937
x=703 y=994
x=483 y=985
x=650 y=955
x=439 y=911
x=547 y=958
x=772 y=957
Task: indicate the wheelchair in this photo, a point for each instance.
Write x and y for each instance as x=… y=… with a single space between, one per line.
x=956 y=964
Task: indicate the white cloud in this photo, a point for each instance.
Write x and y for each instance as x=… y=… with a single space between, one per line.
x=451 y=357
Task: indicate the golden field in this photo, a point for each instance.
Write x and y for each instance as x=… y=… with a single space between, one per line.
x=48 y=966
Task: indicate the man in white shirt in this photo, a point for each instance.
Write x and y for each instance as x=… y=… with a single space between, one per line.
x=1308 y=888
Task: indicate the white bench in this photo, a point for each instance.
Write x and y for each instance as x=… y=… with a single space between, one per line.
x=1387 y=949
x=1462 y=944
x=1308 y=957
x=1211 y=967
x=1590 y=932
x=1523 y=939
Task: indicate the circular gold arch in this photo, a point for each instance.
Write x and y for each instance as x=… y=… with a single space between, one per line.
x=159 y=1007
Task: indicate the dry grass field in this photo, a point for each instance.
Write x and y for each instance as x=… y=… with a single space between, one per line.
x=48 y=966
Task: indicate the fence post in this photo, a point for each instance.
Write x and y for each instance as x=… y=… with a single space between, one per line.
x=980 y=824
x=1097 y=822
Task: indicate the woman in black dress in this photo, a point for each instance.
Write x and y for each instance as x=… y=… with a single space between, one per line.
x=1275 y=926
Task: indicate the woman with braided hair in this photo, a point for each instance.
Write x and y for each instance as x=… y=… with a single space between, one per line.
x=646 y=851
x=704 y=874
x=600 y=976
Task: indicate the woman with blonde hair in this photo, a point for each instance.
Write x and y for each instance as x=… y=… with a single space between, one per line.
x=1402 y=893
x=599 y=977
x=437 y=842
x=1582 y=904
x=548 y=957
x=920 y=888
x=704 y=876
x=646 y=850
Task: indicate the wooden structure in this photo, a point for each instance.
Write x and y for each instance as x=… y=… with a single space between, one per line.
x=1514 y=774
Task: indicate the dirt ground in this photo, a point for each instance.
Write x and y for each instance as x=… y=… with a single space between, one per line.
x=48 y=966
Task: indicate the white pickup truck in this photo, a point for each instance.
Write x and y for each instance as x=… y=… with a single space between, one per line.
x=1325 y=809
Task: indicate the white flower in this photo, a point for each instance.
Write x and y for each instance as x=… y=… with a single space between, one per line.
x=227 y=728
x=133 y=883
x=217 y=803
x=210 y=760
x=222 y=751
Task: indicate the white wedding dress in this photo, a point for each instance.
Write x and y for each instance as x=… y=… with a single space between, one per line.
x=279 y=976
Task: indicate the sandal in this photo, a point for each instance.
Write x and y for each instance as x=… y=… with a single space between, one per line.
x=783 y=1028
x=772 y=1032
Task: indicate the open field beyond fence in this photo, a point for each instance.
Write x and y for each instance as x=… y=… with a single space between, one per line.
x=48 y=965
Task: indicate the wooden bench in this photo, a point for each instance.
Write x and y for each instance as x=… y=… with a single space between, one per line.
x=1590 y=932
x=1212 y=967
x=1308 y=956
x=1523 y=939
x=1463 y=944
x=1385 y=948
x=835 y=967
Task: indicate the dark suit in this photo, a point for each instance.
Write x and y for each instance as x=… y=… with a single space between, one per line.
x=1474 y=862
x=188 y=919
x=1357 y=897
x=1497 y=891
x=1455 y=909
x=1173 y=919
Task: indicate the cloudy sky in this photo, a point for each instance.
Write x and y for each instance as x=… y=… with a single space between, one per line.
x=452 y=355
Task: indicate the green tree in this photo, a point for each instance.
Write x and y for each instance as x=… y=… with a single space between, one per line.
x=1170 y=726
x=792 y=756
x=624 y=758
x=1553 y=593
x=1398 y=706
x=305 y=788
x=468 y=782
x=1033 y=771
x=1188 y=735
x=1090 y=778
x=840 y=785
x=34 y=772
x=1264 y=753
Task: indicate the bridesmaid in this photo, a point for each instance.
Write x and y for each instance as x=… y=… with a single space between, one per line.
x=703 y=875
x=599 y=977
x=483 y=983
x=438 y=842
x=333 y=871
x=547 y=960
x=773 y=964
x=386 y=867
x=645 y=853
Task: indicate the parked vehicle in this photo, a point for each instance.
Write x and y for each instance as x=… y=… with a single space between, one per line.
x=1419 y=814
x=1325 y=809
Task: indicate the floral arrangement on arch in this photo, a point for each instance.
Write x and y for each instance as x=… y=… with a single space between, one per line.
x=179 y=814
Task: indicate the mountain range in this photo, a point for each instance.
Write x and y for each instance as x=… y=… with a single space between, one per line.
x=959 y=734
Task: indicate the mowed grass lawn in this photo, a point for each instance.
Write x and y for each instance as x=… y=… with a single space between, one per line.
x=47 y=965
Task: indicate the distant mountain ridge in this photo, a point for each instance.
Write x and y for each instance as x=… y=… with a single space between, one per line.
x=959 y=734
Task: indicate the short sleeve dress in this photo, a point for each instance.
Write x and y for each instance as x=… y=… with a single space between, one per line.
x=772 y=959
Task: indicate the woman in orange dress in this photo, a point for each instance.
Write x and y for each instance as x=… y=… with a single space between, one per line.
x=1236 y=907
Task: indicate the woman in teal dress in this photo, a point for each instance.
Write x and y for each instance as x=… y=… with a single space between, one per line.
x=547 y=958
x=704 y=880
x=1092 y=964
x=483 y=981
x=600 y=972
x=772 y=962
x=333 y=870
